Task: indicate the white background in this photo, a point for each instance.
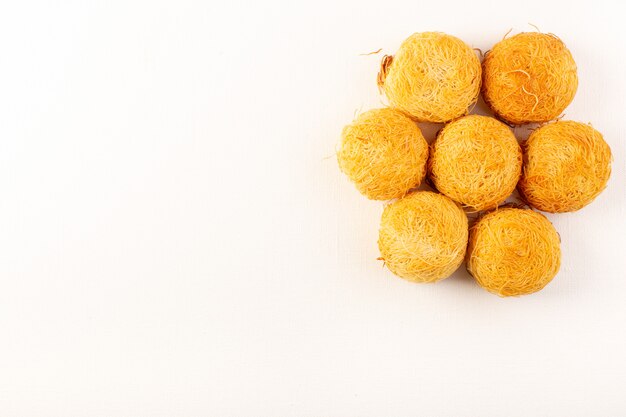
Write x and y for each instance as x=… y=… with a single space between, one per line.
x=177 y=240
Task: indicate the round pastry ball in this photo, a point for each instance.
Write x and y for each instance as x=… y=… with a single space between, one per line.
x=384 y=153
x=513 y=251
x=529 y=77
x=434 y=77
x=476 y=161
x=423 y=237
x=566 y=165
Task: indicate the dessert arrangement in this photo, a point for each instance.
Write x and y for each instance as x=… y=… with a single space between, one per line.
x=476 y=162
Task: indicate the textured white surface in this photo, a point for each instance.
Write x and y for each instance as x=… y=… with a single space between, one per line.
x=176 y=238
